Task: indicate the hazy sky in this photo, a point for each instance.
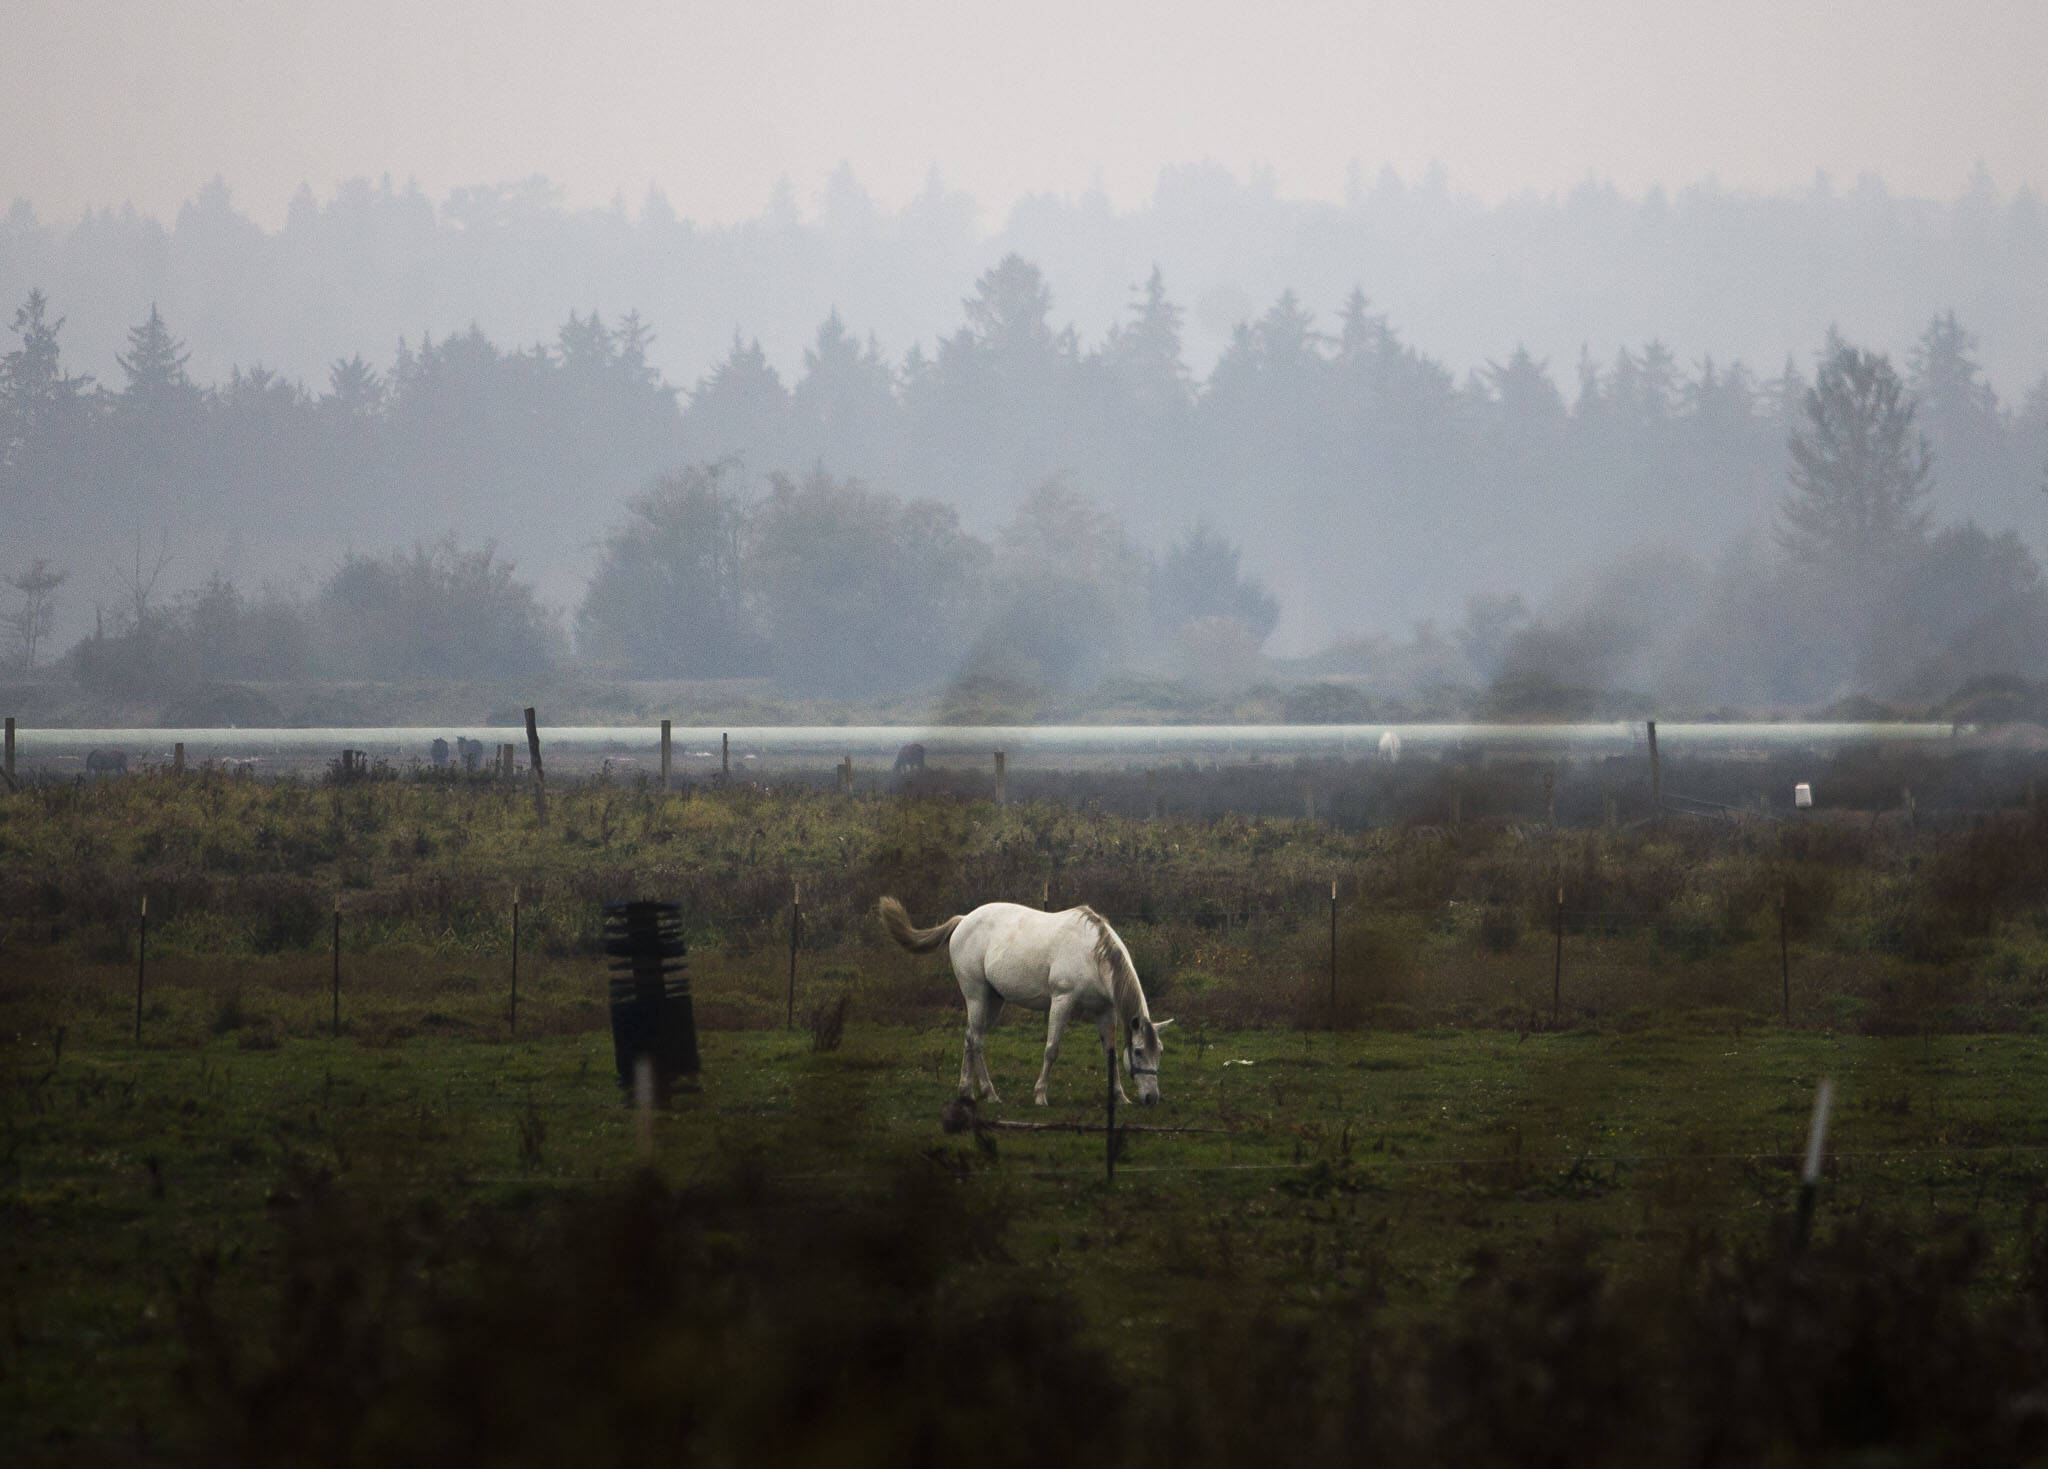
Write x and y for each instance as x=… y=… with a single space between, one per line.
x=105 y=101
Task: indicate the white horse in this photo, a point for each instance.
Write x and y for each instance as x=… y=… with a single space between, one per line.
x=1067 y=964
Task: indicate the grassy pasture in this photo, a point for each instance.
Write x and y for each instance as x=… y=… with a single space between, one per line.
x=1432 y=1223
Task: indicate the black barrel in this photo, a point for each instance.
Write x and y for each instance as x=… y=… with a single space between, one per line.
x=650 y=991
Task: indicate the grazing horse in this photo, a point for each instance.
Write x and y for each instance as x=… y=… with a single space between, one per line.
x=1068 y=964
x=910 y=757
x=107 y=762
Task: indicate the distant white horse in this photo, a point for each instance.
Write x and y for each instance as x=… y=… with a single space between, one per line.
x=1068 y=964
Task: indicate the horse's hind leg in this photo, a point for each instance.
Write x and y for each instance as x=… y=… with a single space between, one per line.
x=982 y=1010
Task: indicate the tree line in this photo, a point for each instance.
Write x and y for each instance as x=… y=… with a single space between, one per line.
x=1359 y=480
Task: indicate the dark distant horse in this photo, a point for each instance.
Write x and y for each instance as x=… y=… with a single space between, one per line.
x=910 y=757
x=107 y=762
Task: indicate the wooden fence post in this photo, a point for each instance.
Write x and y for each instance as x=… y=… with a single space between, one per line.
x=1784 y=958
x=7 y=766
x=540 y=780
x=725 y=757
x=664 y=756
x=178 y=758
x=337 y=966
x=796 y=923
x=1656 y=774
x=1333 y=953
x=141 y=964
x=1557 y=968
x=512 y=1011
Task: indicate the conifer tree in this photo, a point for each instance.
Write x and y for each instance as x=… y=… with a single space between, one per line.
x=1860 y=470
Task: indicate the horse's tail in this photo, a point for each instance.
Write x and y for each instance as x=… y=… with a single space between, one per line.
x=917 y=940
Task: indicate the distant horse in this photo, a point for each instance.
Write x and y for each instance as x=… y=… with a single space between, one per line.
x=471 y=751
x=107 y=762
x=1068 y=964
x=910 y=757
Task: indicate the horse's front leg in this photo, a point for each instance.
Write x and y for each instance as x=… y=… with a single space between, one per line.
x=1055 y=1023
x=1109 y=1043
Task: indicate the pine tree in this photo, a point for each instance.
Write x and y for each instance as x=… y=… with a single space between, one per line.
x=1143 y=355
x=354 y=393
x=155 y=367
x=1860 y=470
x=38 y=399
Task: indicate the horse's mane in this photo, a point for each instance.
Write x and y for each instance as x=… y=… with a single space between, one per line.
x=1124 y=990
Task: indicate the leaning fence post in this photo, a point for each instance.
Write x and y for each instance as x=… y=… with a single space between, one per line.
x=1557 y=968
x=540 y=780
x=796 y=923
x=337 y=966
x=1816 y=1147
x=141 y=963
x=664 y=756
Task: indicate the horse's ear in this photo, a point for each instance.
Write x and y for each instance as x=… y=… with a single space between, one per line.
x=1162 y=1024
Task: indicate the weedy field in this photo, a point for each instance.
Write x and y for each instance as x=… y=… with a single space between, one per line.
x=1429 y=1220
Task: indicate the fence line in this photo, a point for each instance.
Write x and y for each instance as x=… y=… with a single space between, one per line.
x=1789 y=1155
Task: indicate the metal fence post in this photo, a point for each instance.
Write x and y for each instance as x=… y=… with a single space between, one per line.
x=1109 y=1126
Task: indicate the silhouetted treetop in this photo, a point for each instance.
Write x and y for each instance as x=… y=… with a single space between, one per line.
x=1860 y=469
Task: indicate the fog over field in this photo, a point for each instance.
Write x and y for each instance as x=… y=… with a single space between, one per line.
x=1484 y=383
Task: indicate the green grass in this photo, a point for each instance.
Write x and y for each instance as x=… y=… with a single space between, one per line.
x=1349 y=1167
x=248 y=1237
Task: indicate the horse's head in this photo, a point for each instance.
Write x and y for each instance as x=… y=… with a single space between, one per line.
x=1142 y=1050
